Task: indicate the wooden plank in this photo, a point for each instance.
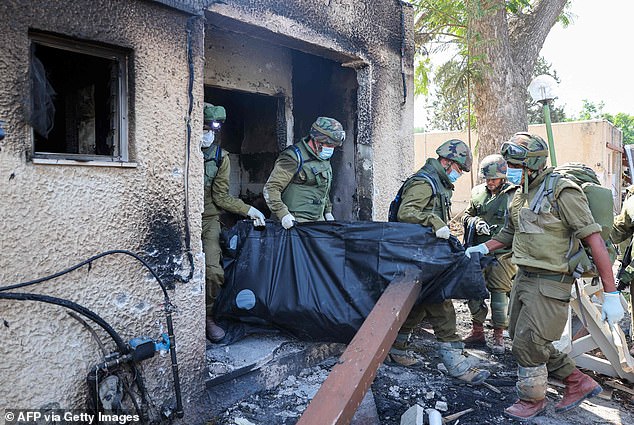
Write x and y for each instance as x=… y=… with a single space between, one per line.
x=344 y=388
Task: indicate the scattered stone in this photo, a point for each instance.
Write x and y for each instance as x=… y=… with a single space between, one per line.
x=413 y=416
x=441 y=406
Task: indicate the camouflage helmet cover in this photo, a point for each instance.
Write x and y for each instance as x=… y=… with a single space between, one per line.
x=328 y=130
x=525 y=149
x=213 y=113
x=493 y=167
x=457 y=151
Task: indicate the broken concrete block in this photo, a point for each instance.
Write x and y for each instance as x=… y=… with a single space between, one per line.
x=441 y=406
x=413 y=416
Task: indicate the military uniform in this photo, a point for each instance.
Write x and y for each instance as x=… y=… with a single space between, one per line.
x=419 y=205
x=217 y=198
x=499 y=274
x=299 y=184
x=541 y=292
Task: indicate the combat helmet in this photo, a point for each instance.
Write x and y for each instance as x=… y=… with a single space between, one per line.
x=493 y=167
x=328 y=130
x=213 y=113
x=527 y=150
x=457 y=151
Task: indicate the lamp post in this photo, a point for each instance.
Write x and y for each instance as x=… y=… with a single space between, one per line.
x=543 y=89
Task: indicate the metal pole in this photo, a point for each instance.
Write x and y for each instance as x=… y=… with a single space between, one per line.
x=549 y=132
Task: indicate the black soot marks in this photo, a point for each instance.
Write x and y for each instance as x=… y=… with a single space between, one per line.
x=164 y=246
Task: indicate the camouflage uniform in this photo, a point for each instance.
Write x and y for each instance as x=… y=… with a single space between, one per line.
x=499 y=273
x=430 y=206
x=300 y=181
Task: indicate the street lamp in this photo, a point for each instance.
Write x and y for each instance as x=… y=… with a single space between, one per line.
x=543 y=89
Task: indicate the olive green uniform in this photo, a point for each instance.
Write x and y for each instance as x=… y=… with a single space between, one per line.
x=299 y=185
x=541 y=290
x=420 y=205
x=499 y=274
x=217 y=198
x=622 y=231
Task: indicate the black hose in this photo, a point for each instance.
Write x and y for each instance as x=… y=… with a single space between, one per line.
x=169 y=308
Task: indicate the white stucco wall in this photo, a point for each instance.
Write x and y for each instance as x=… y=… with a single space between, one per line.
x=54 y=216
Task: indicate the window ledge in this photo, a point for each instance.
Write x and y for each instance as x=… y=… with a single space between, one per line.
x=88 y=163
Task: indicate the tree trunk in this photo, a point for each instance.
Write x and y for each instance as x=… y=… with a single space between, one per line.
x=504 y=59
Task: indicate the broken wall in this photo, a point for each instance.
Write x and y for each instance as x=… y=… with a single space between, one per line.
x=57 y=212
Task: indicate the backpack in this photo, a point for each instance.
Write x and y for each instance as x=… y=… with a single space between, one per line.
x=601 y=205
x=392 y=214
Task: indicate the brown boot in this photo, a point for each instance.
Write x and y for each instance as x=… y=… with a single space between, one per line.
x=476 y=339
x=214 y=332
x=498 y=341
x=579 y=386
x=523 y=410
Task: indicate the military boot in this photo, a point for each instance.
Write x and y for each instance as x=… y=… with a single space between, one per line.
x=579 y=386
x=498 y=341
x=213 y=332
x=399 y=353
x=531 y=390
x=459 y=365
x=476 y=339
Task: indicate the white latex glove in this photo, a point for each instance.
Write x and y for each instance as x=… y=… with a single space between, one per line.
x=257 y=217
x=482 y=228
x=612 y=310
x=288 y=221
x=443 y=232
x=482 y=249
x=329 y=217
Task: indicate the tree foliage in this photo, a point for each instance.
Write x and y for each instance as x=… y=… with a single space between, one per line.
x=497 y=44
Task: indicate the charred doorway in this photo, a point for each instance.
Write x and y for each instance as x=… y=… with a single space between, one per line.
x=253 y=134
x=322 y=87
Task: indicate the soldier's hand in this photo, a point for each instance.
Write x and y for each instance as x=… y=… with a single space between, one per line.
x=443 y=232
x=288 y=221
x=612 y=310
x=482 y=249
x=482 y=228
x=257 y=217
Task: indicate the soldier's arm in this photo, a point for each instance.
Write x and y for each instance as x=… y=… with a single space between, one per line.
x=623 y=226
x=469 y=214
x=282 y=174
x=220 y=191
x=415 y=198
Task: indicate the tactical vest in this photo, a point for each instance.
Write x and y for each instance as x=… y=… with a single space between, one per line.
x=541 y=239
x=443 y=189
x=307 y=193
x=483 y=202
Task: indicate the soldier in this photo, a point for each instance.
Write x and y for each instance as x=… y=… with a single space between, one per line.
x=483 y=219
x=298 y=188
x=426 y=200
x=217 y=198
x=548 y=218
x=622 y=232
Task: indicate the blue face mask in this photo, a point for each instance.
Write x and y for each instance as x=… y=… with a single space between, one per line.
x=326 y=152
x=453 y=175
x=514 y=175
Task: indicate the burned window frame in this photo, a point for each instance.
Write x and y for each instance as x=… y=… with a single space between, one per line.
x=120 y=58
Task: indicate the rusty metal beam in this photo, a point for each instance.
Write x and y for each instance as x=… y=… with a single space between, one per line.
x=344 y=389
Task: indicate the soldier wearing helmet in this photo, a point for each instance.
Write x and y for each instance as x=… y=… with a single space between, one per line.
x=298 y=188
x=549 y=218
x=426 y=200
x=217 y=198
x=483 y=219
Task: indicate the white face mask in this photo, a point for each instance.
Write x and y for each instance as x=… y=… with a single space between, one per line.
x=326 y=152
x=207 y=139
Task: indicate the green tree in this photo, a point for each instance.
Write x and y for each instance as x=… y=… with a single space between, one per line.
x=498 y=43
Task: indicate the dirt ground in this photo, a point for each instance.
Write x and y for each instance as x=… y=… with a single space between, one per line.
x=397 y=388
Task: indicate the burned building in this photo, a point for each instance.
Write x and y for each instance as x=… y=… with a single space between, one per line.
x=102 y=107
